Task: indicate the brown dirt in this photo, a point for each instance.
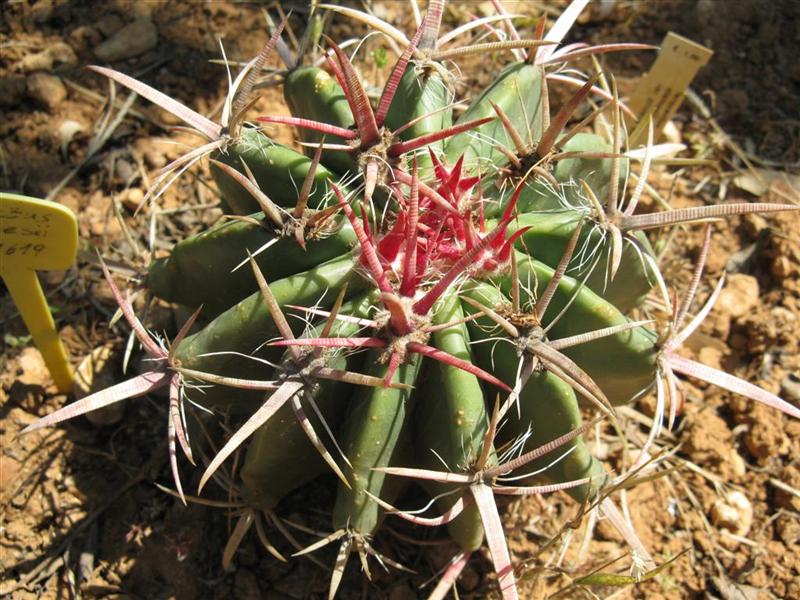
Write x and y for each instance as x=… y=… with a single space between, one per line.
x=79 y=514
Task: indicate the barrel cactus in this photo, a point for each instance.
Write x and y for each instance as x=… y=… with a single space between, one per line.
x=465 y=286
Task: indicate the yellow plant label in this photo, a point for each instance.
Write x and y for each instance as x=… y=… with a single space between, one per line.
x=37 y=235
x=662 y=90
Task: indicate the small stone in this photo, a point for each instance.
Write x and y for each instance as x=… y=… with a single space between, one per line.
x=56 y=55
x=788 y=529
x=733 y=513
x=17 y=529
x=40 y=61
x=63 y=55
x=754 y=224
x=125 y=170
x=671 y=133
x=786 y=493
x=737 y=464
x=29 y=389
x=790 y=389
x=132 y=40
x=131 y=198
x=32 y=370
x=154 y=159
x=783 y=315
x=67 y=130
x=740 y=294
x=781 y=267
x=47 y=90
x=647 y=405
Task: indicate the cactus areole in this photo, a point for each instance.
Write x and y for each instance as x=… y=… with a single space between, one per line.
x=416 y=296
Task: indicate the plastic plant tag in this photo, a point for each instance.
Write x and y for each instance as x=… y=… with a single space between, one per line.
x=661 y=91
x=37 y=235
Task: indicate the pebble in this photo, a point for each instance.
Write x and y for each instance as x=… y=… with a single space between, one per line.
x=788 y=529
x=790 y=389
x=154 y=159
x=125 y=170
x=56 y=55
x=67 y=130
x=754 y=224
x=782 y=267
x=132 y=40
x=32 y=380
x=737 y=464
x=32 y=370
x=47 y=90
x=740 y=294
x=17 y=529
x=733 y=512
x=671 y=133
x=131 y=198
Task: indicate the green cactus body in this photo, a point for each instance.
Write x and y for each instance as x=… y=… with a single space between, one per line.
x=247 y=325
x=631 y=354
x=421 y=92
x=183 y=276
x=596 y=172
x=517 y=91
x=547 y=239
x=280 y=457
x=312 y=93
x=278 y=170
x=547 y=410
x=451 y=421
x=375 y=421
x=540 y=195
